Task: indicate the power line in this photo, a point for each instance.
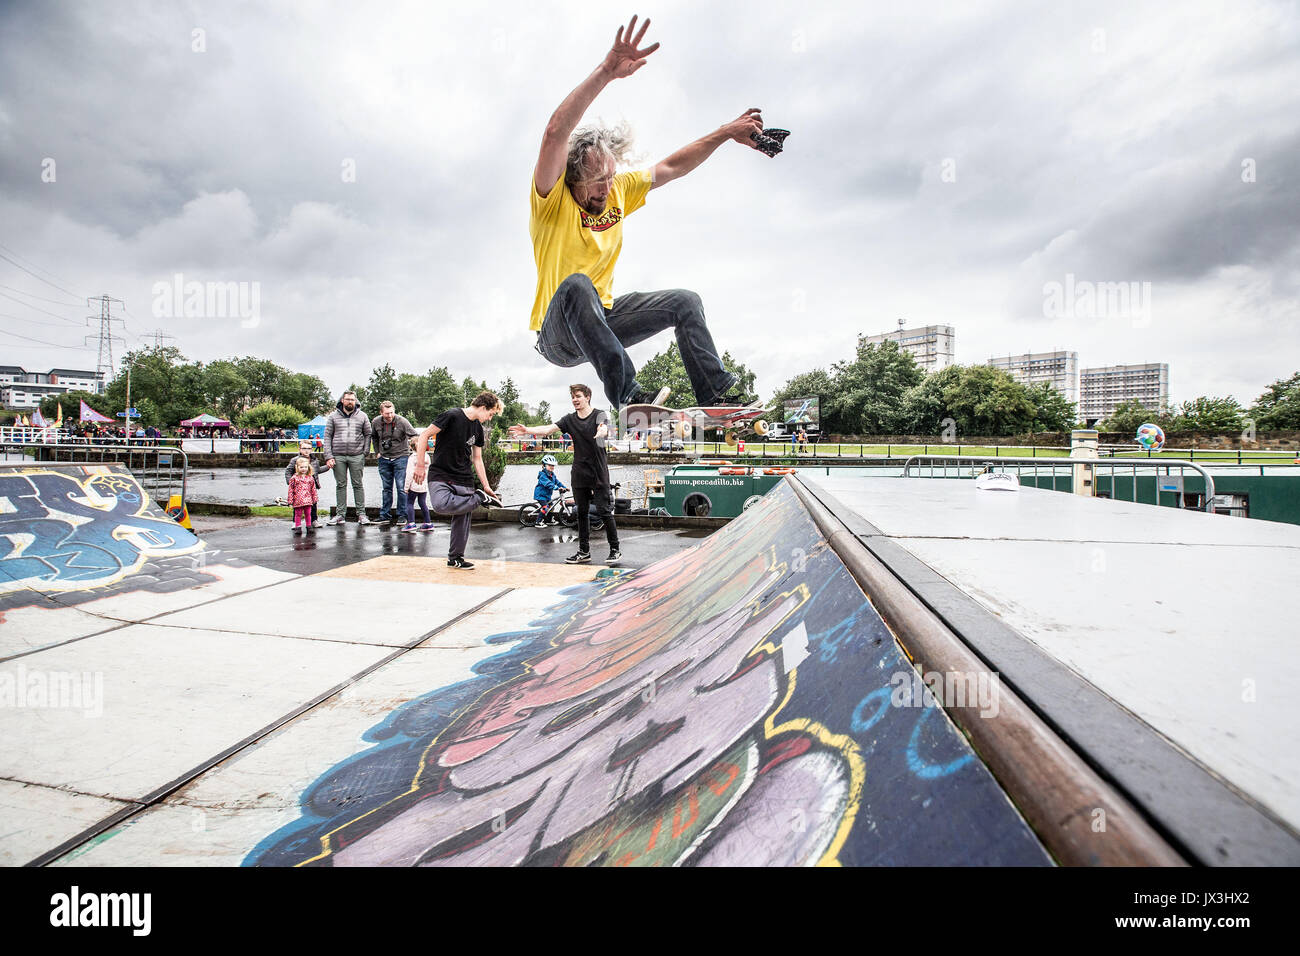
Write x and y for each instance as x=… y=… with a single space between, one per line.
x=69 y=305
x=19 y=318
x=28 y=305
x=34 y=275
x=53 y=345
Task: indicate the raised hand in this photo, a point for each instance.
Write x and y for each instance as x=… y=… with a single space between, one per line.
x=624 y=58
x=745 y=126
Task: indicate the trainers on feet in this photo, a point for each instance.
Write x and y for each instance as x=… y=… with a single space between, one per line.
x=644 y=397
x=427 y=526
x=615 y=557
x=735 y=397
x=486 y=499
x=582 y=557
x=337 y=519
x=363 y=519
x=459 y=563
x=408 y=527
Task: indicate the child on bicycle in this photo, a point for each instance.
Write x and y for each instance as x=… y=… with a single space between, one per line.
x=547 y=485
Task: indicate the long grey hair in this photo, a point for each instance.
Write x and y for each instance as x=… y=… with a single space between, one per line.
x=592 y=143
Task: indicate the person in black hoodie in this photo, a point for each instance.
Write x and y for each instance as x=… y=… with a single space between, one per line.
x=317 y=466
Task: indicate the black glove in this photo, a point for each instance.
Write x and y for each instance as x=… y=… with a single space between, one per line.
x=770 y=140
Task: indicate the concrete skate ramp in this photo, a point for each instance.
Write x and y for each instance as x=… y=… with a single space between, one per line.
x=740 y=703
x=731 y=706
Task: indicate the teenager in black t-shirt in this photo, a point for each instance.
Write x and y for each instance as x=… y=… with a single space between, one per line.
x=457 y=456
x=589 y=476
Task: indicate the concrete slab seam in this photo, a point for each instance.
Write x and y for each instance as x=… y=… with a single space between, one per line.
x=149 y=799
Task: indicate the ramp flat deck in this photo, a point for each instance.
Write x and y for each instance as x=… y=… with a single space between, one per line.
x=1160 y=641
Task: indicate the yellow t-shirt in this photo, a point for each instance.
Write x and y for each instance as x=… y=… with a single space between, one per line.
x=567 y=240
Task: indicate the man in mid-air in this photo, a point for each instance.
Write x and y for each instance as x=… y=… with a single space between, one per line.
x=578 y=204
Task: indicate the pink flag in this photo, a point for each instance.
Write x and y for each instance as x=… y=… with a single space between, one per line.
x=38 y=419
x=88 y=414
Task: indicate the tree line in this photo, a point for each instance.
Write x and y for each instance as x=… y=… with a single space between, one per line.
x=881 y=390
x=166 y=388
x=1277 y=409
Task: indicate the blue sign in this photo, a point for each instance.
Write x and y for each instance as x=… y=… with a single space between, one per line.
x=132 y=411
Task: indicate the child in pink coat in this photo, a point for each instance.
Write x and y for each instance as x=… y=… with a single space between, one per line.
x=302 y=495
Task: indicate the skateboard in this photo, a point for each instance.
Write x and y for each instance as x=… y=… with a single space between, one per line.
x=679 y=422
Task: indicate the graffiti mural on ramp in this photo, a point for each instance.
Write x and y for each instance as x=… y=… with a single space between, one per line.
x=75 y=528
x=716 y=708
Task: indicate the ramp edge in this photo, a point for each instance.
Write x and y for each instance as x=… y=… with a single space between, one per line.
x=1060 y=795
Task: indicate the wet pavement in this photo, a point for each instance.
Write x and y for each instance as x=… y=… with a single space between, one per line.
x=270 y=542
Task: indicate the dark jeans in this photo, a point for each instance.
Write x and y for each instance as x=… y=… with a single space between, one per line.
x=392 y=470
x=582 y=498
x=578 y=329
x=414 y=498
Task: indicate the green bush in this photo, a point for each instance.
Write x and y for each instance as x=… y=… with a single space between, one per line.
x=272 y=415
x=494 y=457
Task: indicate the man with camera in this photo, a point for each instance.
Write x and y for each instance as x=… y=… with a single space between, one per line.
x=389 y=432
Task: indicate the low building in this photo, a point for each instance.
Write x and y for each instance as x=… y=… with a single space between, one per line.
x=20 y=388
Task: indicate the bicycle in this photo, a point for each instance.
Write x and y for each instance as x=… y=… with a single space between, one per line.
x=569 y=517
x=563 y=510
x=534 y=514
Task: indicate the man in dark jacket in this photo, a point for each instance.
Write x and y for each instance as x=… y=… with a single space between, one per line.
x=347 y=437
x=317 y=466
x=390 y=433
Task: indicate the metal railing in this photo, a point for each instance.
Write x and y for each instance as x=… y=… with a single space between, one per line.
x=968 y=466
x=162 y=470
x=32 y=435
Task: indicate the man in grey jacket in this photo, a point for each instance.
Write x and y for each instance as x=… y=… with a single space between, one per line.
x=347 y=438
x=390 y=432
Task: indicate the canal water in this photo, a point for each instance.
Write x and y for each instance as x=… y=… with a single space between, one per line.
x=261 y=486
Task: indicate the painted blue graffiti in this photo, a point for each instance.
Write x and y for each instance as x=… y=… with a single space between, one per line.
x=59 y=530
x=861 y=723
x=918 y=764
x=873 y=708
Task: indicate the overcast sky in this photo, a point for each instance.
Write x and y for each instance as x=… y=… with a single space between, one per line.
x=366 y=165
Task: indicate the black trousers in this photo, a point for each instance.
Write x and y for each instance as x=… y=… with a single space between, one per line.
x=584 y=497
